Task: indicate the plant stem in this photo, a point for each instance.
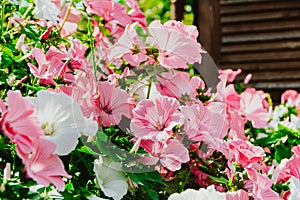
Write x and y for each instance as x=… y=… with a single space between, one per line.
x=27 y=11
x=92 y=45
x=66 y=15
x=2 y=16
x=149 y=89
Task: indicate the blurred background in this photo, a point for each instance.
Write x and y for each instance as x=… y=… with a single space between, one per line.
x=261 y=37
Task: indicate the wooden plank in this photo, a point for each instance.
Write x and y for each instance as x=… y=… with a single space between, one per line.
x=239 y=2
x=177 y=10
x=252 y=37
x=259 y=7
x=260 y=57
x=264 y=16
x=282 y=75
x=263 y=46
x=276 y=85
x=209 y=24
x=270 y=65
x=273 y=25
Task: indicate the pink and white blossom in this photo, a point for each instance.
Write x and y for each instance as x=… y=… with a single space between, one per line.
x=112 y=103
x=155 y=120
x=176 y=48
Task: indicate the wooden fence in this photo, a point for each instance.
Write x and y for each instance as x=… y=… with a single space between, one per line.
x=261 y=37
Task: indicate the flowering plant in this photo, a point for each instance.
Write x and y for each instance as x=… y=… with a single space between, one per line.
x=96 y=104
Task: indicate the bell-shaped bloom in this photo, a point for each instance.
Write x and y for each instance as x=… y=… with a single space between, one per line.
x=179 y=85
x=43 y=166
x=291 y=97
x=155 y=120
x=261 y=186
x=71 y=23
x=83 y=92
x=176 y=47
x=253 y=108
x=238 y=195
x=110 y=178
x=294 y=188
x=230 y=74
x=139 y=91
x=170 y=153
x=245 y=153
x=62 y=120
x=109 y=10
x=45 y=9
x=136 y=14
x=76 y=52
x=113 y=103
x=199 y=121
x=129 y=46
x=47 y=70
x=19 y=122
x=202 y=194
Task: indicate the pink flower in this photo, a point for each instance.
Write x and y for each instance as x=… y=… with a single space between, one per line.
x=230 y=74
x=43 y=166
x=112 y=103
x=176 y=48
x=126 y=46
x=170 y=153
x=252 y=107
x=136 y=14
x=78 y=59
x=291 y=98
x=292 y=167
x=245 y=153
x=179 y=85
x=155 y=120
x=199 y=121
x=71 y=24
x=229 y=96
x=47 y=70
x=98 y=7
x=109 y=10
x=19 y=123
x=261 y=186
x=239 y=195
x=83 y=92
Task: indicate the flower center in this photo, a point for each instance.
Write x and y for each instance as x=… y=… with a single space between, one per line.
x=107 y=110
x=159 y=126
x=48 y=129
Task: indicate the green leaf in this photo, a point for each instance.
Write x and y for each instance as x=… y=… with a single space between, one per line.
x=219 y=180
x=273 y=139
x=152 y=194
x=282 y=152
x=8 y=52
x=151 y=181
x=69 y=186
x=88 y=150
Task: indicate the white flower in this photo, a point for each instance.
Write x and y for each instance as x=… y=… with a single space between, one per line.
x=279 y=112
x=110 y=178
x=62 y=120
x=203 y=194
x=45 y=9
x=139 y=90
x=295 y=189
x=94 y=197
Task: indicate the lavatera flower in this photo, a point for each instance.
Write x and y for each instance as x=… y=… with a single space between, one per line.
x=62 y=120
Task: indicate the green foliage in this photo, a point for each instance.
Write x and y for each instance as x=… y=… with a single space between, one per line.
x=151 y=182
x=155 y=10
